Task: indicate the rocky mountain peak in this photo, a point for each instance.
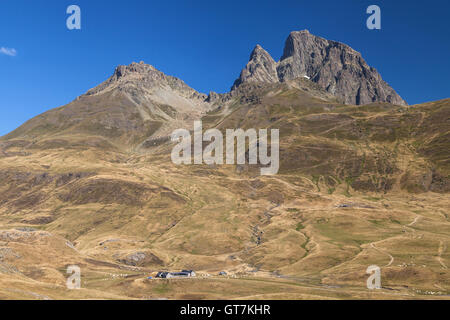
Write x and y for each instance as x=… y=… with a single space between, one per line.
x=335 y=66
x=260 y=68
x=258 y=51
x=141 y=79
x=133 y=68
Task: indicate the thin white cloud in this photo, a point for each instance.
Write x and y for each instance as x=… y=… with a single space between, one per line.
x=8 y=51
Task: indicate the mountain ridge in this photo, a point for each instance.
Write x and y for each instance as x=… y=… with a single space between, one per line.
x=362 y=85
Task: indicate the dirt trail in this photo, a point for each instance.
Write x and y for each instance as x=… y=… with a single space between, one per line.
x=384 y=252
x=441 y=250
x=415 y=220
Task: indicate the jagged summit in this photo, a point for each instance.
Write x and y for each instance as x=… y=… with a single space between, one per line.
x=258 y=51
x=260 y=68
x=335 y=66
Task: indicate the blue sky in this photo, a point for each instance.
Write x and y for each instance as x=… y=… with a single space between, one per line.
x=206 y=43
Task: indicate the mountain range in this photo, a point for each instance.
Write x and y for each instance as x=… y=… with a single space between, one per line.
x=363 y=180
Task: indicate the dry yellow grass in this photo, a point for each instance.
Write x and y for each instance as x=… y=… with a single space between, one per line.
x=347 y=196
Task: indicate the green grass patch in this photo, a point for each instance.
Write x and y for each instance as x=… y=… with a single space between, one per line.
x=299 y=226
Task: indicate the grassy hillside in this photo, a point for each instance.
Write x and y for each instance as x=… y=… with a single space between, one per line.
x=93 y=186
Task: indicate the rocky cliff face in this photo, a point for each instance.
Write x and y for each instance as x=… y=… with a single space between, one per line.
x=335 y=66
